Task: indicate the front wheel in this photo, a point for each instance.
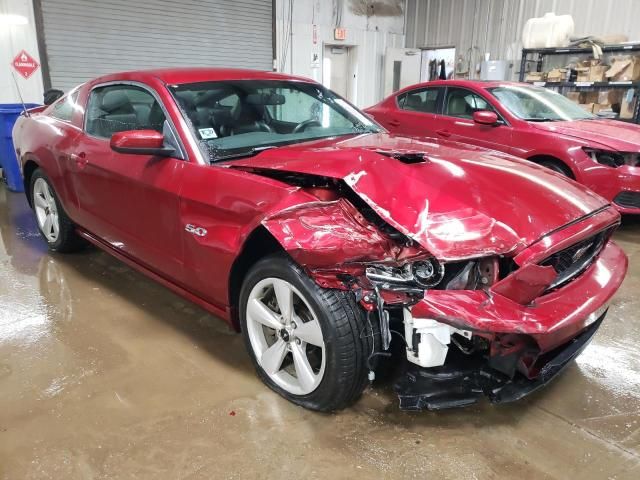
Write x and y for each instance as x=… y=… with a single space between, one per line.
x=55 y=226
x=307 y=343
x=557 y=167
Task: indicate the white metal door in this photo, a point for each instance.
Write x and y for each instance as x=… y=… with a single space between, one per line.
x=336 y=70
x=401 y=68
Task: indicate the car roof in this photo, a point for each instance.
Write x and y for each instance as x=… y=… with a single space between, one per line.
x=483 y=84
x=174 y=76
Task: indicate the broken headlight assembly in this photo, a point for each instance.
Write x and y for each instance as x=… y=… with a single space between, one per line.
x=613 y=159
x=427 y=339
x=415 y=277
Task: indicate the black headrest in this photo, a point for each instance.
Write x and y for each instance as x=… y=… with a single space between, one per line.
x=116 y=101
x=186 y=99
x=221 y=116
x=414 y=101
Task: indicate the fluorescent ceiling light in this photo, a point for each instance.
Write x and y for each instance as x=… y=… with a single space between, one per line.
x=10 y=19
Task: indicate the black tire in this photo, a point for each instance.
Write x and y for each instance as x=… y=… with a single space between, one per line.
x=347 y=336
x=68 y=240
x=557 y=167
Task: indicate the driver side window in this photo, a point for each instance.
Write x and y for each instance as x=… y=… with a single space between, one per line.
x=463 y=103
x=117 y=108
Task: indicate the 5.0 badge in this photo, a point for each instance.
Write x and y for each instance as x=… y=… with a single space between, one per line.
x=199 y=231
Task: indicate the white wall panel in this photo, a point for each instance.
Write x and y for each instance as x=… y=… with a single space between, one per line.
x=13 y=39
x=369 y=35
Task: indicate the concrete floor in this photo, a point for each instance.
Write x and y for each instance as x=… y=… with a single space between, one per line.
x=105 y=374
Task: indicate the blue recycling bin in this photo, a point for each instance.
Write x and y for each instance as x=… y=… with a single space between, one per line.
x=9 y=113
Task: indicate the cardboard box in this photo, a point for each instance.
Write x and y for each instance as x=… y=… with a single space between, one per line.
x=573 y=96
x=598 y=107
x=535 y=77
x=603 y=96
x=628 y=104
x=583 y=74
x=597 y=73
x=589 y=97
x=623 y=69
x=588 y=106
x=557 y=75
x=591 y=71
x=615 y=96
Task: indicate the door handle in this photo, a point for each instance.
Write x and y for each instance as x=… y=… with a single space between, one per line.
x=443 y=133
x=394 y=123
x=79 y=158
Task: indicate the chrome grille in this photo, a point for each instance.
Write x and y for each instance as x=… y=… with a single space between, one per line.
x=573 y=260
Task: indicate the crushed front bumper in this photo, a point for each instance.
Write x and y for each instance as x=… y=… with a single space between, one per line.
x=547 y=335
x=456 y=385
x=552 y=320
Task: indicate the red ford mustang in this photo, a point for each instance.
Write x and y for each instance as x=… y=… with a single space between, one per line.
x=280 y=207
x=527 y=121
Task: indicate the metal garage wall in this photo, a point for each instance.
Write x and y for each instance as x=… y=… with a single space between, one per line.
x=495 y=26
x=86 y=38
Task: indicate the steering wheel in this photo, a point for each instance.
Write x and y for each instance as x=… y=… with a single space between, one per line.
x=302 y=126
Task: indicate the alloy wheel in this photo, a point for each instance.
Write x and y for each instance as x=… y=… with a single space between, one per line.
x=46 y=210
x=285 y=336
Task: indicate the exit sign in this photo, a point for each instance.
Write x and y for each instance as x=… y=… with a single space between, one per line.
x=340 y=33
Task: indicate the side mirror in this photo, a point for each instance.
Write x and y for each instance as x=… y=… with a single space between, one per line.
x=485 y=117
x=141 y=142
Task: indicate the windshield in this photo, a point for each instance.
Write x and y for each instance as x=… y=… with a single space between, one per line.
x=242 y=117
x=537 y=104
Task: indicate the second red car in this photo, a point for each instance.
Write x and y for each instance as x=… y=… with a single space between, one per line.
x=531 y=122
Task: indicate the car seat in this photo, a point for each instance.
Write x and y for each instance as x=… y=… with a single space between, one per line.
x=118 y=114
x=458 y=107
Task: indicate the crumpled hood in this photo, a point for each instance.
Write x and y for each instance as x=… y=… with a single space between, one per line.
x=460 y=202
x=613 y=134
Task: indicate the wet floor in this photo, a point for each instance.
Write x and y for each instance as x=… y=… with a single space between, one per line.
x=105 y=374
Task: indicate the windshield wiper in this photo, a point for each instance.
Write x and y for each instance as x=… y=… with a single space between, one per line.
x=244 y=154
x=541 y=119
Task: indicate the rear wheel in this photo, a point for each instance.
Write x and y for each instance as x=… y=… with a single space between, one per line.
x=54 y=224
x=308 y=344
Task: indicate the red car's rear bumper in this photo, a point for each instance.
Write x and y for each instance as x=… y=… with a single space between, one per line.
x=552 y=320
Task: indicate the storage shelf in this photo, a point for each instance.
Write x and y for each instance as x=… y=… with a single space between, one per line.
x=587 y=84
x=564 y=50
x=539 y=55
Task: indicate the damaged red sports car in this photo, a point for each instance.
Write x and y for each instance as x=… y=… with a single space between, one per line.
x=280 y=207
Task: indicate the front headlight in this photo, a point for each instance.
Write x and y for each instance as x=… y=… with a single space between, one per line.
x=420 y=275
x=427 y=274
x=613 y=159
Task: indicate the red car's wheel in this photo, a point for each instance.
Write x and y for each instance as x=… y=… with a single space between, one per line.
x=54 y=224
x=308 y=344
x=557 y=167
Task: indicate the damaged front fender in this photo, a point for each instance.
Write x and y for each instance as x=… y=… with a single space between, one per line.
x=323 y=234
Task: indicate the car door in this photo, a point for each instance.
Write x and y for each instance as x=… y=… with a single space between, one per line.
x=456 y=121
x=415 y=114
x=130 y=201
